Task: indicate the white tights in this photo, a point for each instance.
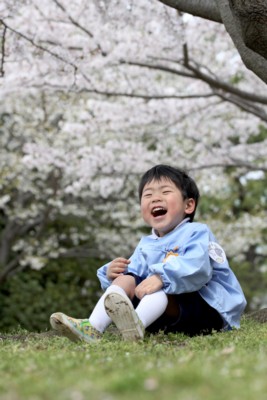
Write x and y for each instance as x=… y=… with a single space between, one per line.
x=150 y=308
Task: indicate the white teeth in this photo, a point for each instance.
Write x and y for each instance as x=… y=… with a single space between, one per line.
x=157 y=209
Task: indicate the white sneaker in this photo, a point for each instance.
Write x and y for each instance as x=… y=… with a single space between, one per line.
x=120 y=309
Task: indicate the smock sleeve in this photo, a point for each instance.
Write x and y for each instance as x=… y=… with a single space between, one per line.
x=102 y=276
x=191 y=269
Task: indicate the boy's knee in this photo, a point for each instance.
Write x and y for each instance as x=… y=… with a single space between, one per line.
x=127 y=283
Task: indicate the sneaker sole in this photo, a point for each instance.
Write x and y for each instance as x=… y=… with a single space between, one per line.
x=122 y=313
x=61 y=324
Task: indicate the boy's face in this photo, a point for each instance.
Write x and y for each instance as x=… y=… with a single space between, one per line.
x=163 y=206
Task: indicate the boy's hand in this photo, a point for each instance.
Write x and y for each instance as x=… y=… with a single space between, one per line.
x=149 y=285
x=117 y=267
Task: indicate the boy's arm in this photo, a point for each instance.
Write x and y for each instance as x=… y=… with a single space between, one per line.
x=189 y=271
x=120 y=265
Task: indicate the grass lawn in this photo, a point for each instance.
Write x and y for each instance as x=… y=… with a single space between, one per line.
x=230 y=365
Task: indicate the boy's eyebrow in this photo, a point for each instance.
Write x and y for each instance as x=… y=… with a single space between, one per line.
x=161 y=187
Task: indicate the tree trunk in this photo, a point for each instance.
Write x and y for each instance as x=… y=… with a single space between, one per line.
x=253 y=22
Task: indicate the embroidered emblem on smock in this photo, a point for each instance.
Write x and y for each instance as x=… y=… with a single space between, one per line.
x=171 y=253
x=217 y=253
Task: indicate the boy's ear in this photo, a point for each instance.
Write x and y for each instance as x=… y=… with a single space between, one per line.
x=190 y=206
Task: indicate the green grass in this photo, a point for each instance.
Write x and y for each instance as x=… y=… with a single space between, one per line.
x=230 y=365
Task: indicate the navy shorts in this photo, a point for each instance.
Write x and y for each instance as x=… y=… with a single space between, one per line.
x=196 y=316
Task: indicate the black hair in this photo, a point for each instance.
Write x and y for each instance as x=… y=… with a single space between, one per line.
x=179 y=177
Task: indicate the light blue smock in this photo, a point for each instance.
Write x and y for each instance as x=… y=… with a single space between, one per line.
x=188 y=259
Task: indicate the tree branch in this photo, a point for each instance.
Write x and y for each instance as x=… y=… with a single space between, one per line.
x=244 y=20
x=80 y=252
x=219 y=84
x=243 y=99
x=78 y=25
x=2 y=62
x=205 y=8
x=196 y=73
x=161 y=67
x=133 y=95
x=46 y=50
x=9 y=269
x=244 y=105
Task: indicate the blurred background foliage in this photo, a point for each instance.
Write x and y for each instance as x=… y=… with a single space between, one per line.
x=28 y=298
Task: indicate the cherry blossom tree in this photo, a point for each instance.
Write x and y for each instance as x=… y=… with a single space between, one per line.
x=93 y=94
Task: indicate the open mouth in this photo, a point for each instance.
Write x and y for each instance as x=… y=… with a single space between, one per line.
x=158 y=211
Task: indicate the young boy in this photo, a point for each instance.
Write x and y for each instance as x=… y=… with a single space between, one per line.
x=178 y=278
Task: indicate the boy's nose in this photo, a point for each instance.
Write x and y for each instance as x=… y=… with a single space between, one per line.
x=156 y=199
